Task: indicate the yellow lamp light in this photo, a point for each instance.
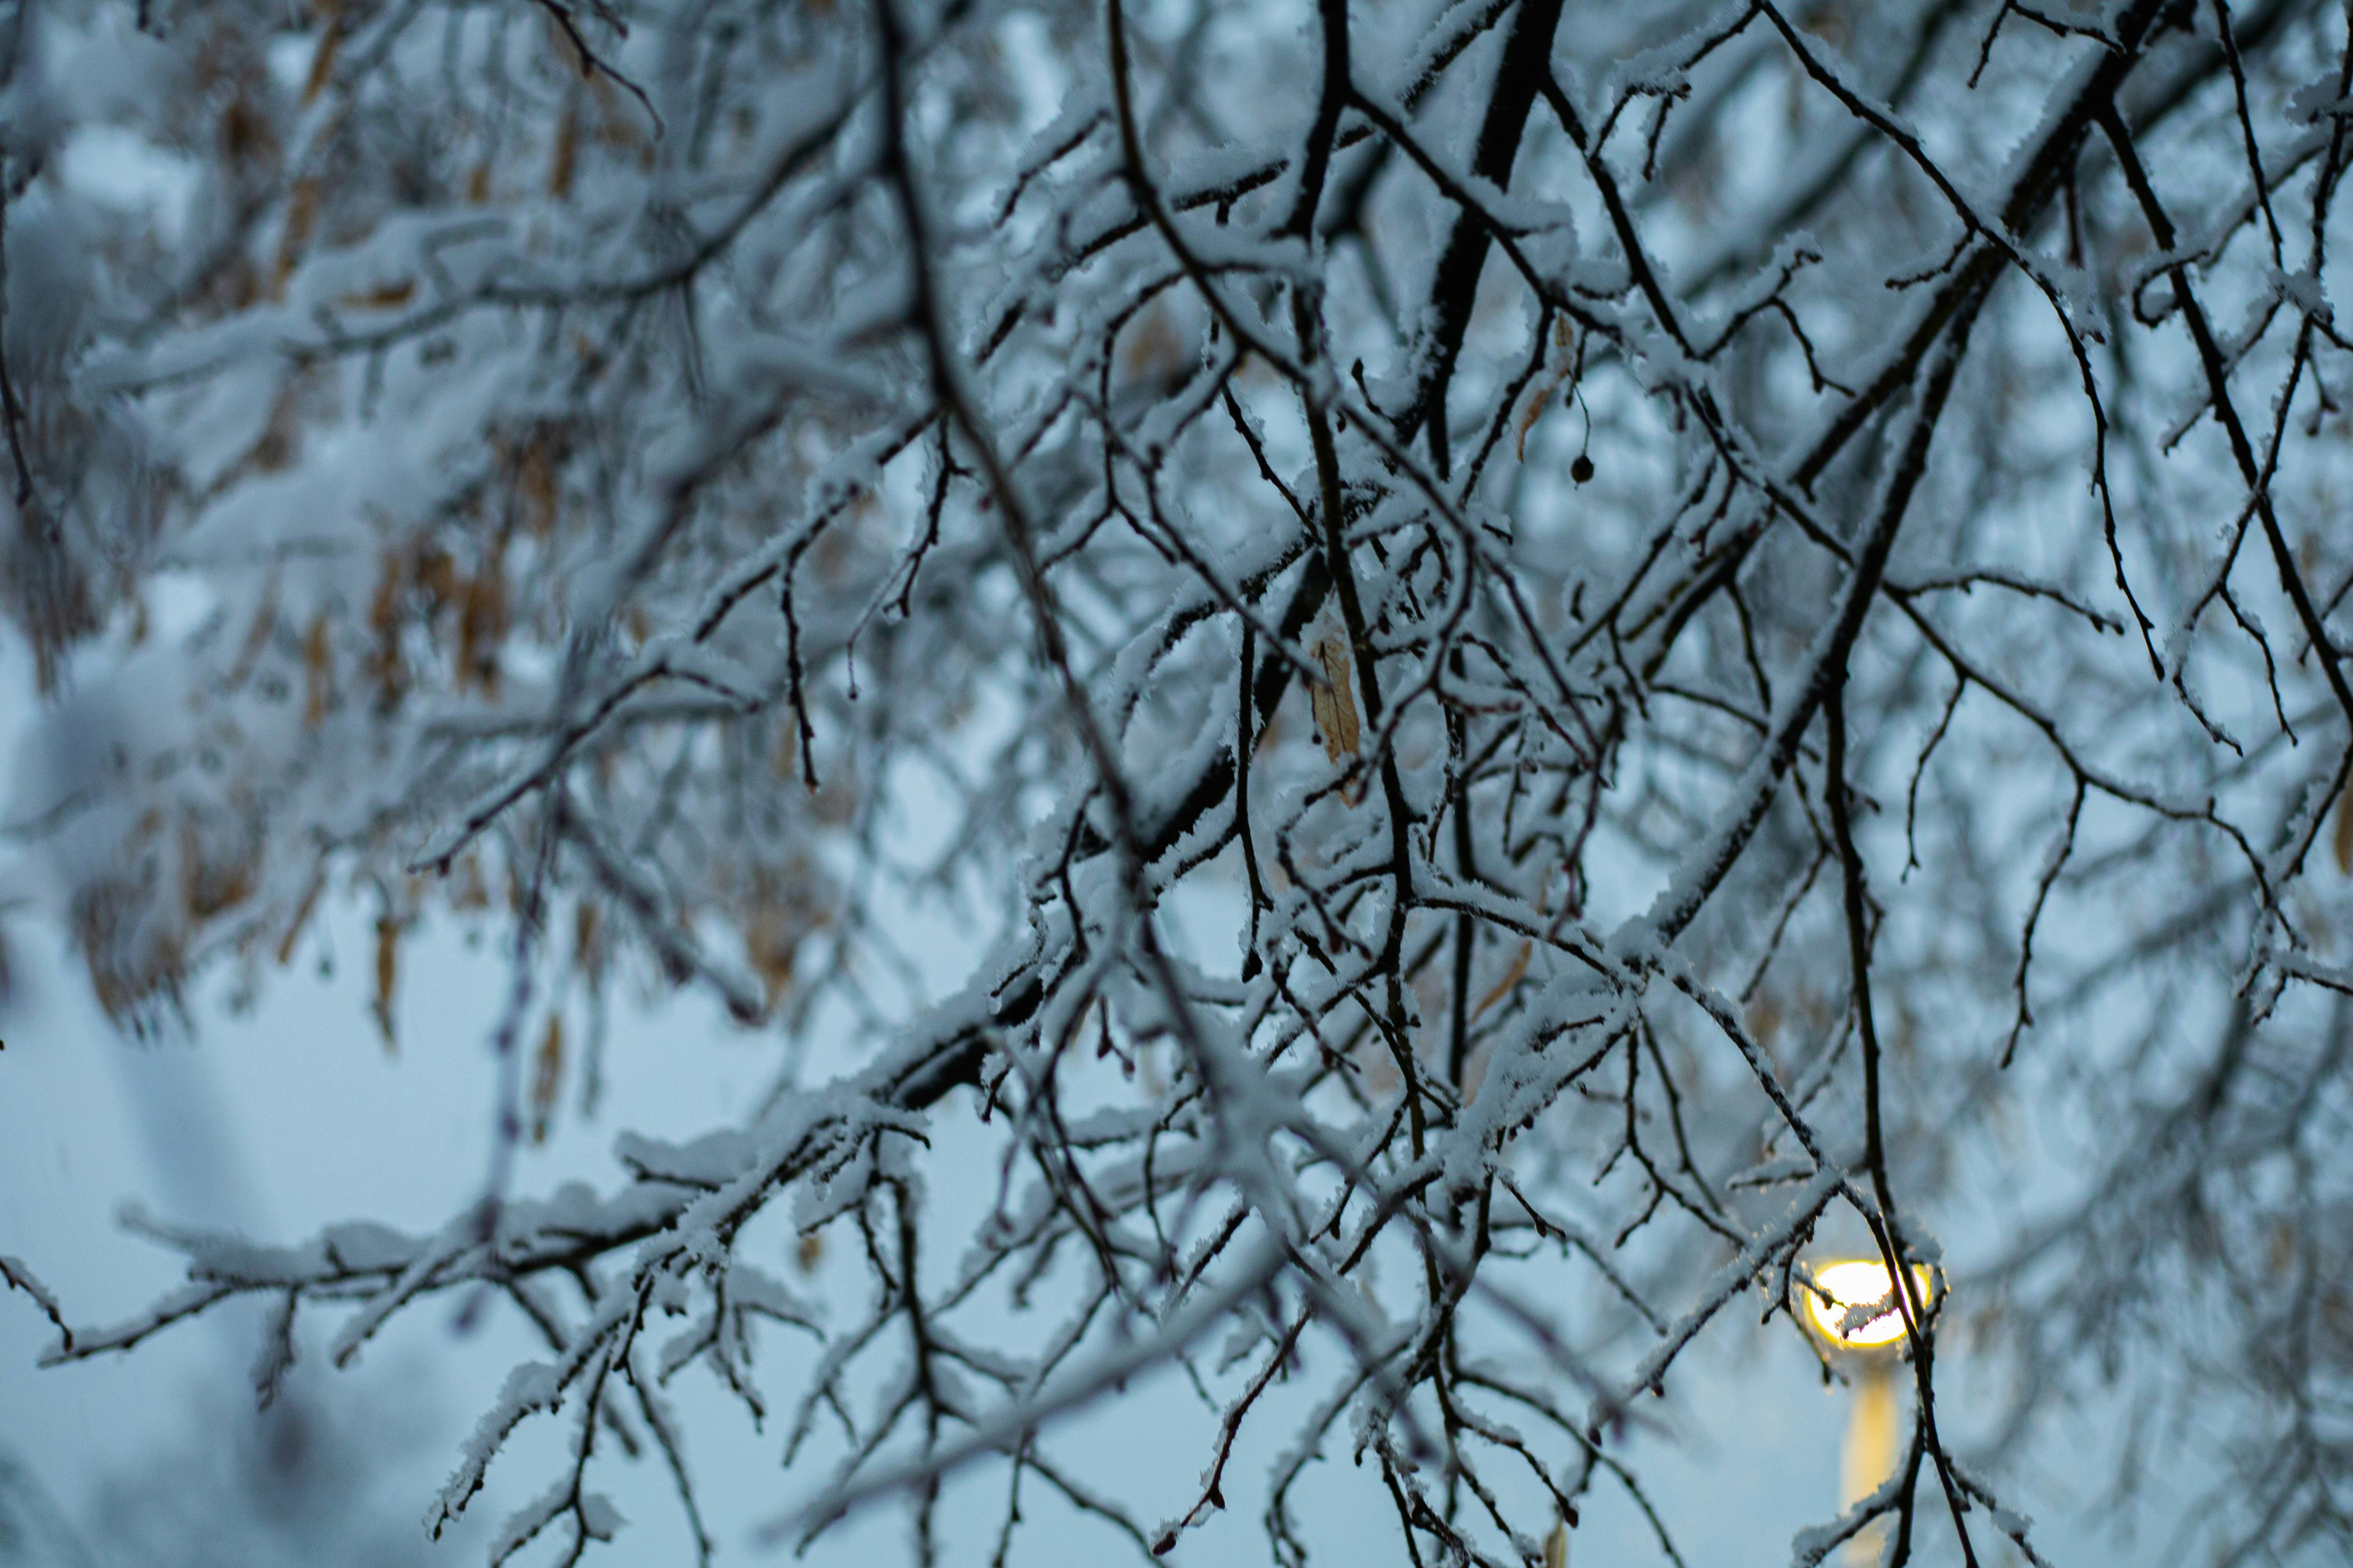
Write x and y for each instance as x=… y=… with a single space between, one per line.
x=1853 y=1287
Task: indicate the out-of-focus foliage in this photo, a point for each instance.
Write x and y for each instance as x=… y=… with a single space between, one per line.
x=1725 y=603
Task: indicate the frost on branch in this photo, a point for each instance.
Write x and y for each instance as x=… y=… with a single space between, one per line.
x=1714 y=604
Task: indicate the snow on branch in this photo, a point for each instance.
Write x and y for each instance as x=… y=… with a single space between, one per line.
x=1301 y=621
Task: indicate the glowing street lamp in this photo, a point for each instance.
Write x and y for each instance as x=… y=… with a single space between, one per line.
x=1852 y=1307
x=1844 y=1294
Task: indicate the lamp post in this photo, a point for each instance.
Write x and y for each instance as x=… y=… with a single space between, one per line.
x=1852 y=1308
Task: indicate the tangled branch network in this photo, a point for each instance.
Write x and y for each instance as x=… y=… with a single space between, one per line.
x=1559 y=643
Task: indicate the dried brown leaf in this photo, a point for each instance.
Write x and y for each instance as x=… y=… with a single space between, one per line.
x=295 y=927
x=301 y=218
x=210 y=882
x=1502 y=988
x=535 y=487
x=546 y=1076
x=275 y=450
x=323 y=64
x=437 y=574
x=567 y=156
x=318 y=673
x=1528 y=417
x=1334 y=699
x=482 y=628
x=387 y=974
x=587 y=943
x=383 y=296
x=246 y=135
x=388 y=666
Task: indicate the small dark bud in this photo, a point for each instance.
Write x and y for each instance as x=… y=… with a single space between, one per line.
x=1581 y=469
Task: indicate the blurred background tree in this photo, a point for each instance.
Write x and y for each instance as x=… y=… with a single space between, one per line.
x=1546 y=661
